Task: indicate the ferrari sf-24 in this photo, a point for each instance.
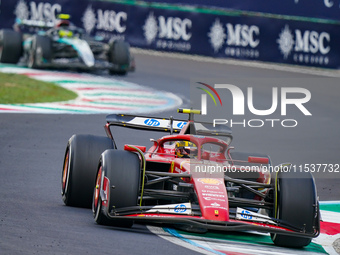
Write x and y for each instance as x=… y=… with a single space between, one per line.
x=192 y=179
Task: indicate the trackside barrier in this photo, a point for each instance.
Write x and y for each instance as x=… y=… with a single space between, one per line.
x=213 y=31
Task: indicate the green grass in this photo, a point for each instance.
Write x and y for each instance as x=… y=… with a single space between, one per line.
x=20 y=89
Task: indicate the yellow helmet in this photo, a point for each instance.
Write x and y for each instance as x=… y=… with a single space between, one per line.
x=65 y=33
x=185 y=149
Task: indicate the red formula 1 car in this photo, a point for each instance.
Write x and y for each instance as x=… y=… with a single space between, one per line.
x=192 y=179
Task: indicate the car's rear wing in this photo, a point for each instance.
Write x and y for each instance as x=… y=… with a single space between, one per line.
x=169 y=125
x=146 y=123
x=41 y=24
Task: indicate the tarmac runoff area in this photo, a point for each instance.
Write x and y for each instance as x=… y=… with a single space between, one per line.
x=96 y=94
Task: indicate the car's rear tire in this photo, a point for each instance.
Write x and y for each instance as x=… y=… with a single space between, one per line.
x=119 y=54
x=80 y=166
x=295 y=203
x=122 y=169
x=10 y=46
x=40 y=52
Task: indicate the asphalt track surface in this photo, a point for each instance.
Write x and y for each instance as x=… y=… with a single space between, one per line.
x=33 y=218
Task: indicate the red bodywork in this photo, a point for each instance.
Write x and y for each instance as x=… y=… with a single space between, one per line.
x=209 y=187
x=215 y=207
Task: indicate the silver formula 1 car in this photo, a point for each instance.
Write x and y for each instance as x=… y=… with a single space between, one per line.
x=63 y=45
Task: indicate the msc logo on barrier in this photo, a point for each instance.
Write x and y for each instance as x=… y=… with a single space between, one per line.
x=35 y=12
x=167 y=27
x=308 y=46
x=241 y=40
x=168 y=32
x=107 y=20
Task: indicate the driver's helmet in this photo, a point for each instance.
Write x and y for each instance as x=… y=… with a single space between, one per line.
x=63 y=20
x=65 y=33
x=63 y=26
x=62 y=23
x=185 y=149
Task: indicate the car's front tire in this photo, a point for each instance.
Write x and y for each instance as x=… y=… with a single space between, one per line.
x=122 y=170
x=119 y=54
x=10 y=46
x=296 y=204
x=40 y=51
x=79 y=169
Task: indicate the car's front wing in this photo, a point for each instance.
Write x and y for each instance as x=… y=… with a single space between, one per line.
x=199 y=222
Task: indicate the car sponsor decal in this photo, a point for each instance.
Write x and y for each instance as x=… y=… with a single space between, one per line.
x=212 y=195
x=96 y=94
x=210 y=181
x=181 y=124
x=246 y=215
x=184 y=208
x=211 y=187
x=243 y=214
x=180 y=208
x=214 y=199
x=154 y=122
x=184 y=162
x=212 y=191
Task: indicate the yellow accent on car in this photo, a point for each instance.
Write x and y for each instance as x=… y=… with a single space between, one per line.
x=64 y=16
x=65 y=33
x=189 y=111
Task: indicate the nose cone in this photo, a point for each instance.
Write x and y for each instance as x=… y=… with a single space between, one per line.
x=86 y=54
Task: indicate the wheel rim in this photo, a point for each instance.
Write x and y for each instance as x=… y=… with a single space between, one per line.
x=277 y=207
x=31 y=59
x=31 y=55
x=96 y=195
x=65 y=172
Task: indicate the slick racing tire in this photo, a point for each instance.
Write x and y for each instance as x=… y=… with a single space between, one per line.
x=122 y=172
x=119 y=54
x=79 y=170
x=295 y=204
x=10 y=46
x=40 y=51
